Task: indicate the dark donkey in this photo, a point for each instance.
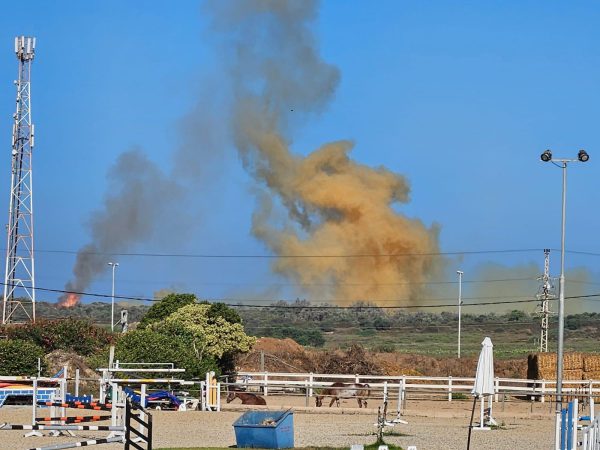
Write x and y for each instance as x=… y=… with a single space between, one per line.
x=246 y=398
x=343 y=390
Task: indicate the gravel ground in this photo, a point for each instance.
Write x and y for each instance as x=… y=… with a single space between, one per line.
x=431 y=425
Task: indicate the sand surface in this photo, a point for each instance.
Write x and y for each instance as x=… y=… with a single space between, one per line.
x=431 y=425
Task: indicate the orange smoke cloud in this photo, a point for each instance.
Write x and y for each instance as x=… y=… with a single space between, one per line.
x=351 y=244
x=69 y=300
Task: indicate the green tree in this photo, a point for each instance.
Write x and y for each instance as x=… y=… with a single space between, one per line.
x=224 y=311
x=19 y=357
x=210 y=336
x=167 y=306
x=151 y=347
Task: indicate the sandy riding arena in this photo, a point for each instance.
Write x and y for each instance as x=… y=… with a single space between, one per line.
x=431 y=425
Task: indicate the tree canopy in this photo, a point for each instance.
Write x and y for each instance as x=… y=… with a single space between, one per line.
x=196 y=336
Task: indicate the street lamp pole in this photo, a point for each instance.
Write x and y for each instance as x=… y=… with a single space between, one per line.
x=460 y=274
x=562 y=163
x=112 y=303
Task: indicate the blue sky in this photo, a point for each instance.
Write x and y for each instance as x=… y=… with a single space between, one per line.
x=459 y=99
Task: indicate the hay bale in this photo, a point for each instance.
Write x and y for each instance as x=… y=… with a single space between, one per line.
x=573 y=374
x=542 y=366
x=546 y=374
x=573 y=361
x=546 y=361
x=591 y=375
x=591 y=363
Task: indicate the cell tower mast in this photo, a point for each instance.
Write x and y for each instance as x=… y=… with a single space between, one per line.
x=545 y=294
x=19 y=277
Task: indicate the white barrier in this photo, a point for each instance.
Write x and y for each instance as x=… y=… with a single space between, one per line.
x=448 y=386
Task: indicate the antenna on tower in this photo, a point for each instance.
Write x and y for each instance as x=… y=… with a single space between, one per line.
x=19 y=276
x=545 y=294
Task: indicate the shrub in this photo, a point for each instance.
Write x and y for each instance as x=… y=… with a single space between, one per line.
x=73 y=335
x=151 y=347
x=19 y=357
x=304 y=336
x=385 y=348
x=167 y=306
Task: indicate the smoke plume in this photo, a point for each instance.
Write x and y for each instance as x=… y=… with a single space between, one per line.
x=520 y=282
x=334 y=208
x=342 y=239
x=138 y=195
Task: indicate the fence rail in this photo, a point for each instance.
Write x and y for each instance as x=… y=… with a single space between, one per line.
x=399 y=386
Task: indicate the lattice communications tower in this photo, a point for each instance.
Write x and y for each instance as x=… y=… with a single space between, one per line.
x=19 y=278
x=545 y=294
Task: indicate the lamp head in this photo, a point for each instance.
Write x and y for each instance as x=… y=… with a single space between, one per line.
x=546 y=156
x=583 y=156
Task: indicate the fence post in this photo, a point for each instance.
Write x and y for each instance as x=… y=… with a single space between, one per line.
x=450 y=388
x=399 y=404
x=149 y=429
x=306 y=396
x=76 y=382
x=403 y=391
x=356 y=378
x=143 y=405
x=34 y=402
x=310 y=381
x=496 y=389
x=543 y=398
x=127 y=422
x=218 y=397
x=265 y=382
x=385 y=392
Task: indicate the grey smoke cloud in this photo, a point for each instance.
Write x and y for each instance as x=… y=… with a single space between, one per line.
x=138 y=195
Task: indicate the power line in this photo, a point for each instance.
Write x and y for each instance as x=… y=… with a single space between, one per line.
x=244 y=256
x=360 y=255
x=231 y=302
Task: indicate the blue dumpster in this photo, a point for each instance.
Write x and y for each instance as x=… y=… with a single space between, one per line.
x=265 y=429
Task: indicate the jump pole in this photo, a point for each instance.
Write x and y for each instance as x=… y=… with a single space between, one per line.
x=80 y=444
x=51 y=427
x=34 y=411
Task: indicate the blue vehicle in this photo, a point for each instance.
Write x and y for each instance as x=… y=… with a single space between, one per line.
x=156 y=399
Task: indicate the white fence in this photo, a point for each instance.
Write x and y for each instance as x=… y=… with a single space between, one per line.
x=591 y=435
x=398 y=386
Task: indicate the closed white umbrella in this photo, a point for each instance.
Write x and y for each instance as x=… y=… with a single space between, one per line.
x=484 y=382
x=484 y=378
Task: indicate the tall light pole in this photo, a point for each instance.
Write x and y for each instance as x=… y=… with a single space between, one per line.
x=112 y=303
x=582 y=156
x=460 y=274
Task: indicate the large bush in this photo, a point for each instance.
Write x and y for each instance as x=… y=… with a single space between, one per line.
x=73 y=335
x=210 y=336
x=167 y=306
x=18 y=357
x=151 y=347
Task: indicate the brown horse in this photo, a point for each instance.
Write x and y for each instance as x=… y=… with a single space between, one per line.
x=246 y=398
x=342 y=390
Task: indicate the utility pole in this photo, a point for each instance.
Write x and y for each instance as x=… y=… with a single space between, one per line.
x=114 y=265
x=19 y=275
x=545 y=294
x=460 y=274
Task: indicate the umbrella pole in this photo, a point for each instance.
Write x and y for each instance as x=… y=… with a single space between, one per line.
x=471 y=423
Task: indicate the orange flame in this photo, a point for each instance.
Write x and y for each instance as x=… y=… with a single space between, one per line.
x=69 y=300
